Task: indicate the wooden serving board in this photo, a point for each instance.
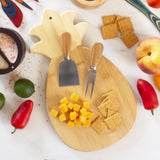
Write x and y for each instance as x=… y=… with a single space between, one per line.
x=88 y=4
x=108 y=78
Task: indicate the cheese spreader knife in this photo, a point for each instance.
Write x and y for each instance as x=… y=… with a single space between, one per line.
x=68 y=71
x=96 y=54
x=139 y=5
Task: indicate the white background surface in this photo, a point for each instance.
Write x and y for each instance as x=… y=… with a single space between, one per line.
x=39 y=141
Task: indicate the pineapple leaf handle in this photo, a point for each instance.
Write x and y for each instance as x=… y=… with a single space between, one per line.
x=52 y=26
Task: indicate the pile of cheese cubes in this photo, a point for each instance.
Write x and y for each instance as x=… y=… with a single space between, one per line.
x=75 y=109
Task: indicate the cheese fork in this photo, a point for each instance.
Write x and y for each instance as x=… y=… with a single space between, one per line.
x=96 y=54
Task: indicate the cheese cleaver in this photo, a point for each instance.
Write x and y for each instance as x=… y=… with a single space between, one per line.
x=68 y=71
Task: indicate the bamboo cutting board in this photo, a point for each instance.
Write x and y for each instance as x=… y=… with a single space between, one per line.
x=108 y=78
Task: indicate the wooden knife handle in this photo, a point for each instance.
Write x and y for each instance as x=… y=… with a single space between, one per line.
x=139 y=5
x=65 y=40
x=96 y=53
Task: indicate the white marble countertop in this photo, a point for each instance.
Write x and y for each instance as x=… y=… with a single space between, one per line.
x=38 y=140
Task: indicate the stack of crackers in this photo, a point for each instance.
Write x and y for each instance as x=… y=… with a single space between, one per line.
x=113 y=24
x=110 y=117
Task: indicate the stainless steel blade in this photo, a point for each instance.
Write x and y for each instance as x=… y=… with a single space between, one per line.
x=91 y=78
x=68 y=73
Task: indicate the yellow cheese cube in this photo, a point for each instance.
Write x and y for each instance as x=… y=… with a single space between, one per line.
x=84 y=112
x=70 y=105
x=83 y=119
x=76 y=107
x=87 y=123
x=73 y=115
x=62 y=117
x=86 y=104
x=64 y=101
x=77 y=121
x=63 y=108
x=70 y=124
x=54 y=113
x=89 y=115
x=74 y=97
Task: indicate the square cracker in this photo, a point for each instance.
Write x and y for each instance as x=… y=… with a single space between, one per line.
x=109 y=19
x=125 y=25
x=108 y=108
x=112 y=96
x=105 y=100
x=117 y=19
x=109 y=31
x=113 y=105
x=107 y=93
x=111 y=112
x=103 y=110
x=129 y=38
x=99 y=125
x=113 y=121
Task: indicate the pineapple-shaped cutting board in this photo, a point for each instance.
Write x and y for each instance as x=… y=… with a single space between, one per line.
x=108 y=78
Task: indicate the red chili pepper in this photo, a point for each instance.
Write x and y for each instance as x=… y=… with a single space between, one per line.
x=148 y=95
x=21 y=116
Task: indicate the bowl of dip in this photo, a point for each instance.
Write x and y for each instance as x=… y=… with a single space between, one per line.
x=12 y=50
